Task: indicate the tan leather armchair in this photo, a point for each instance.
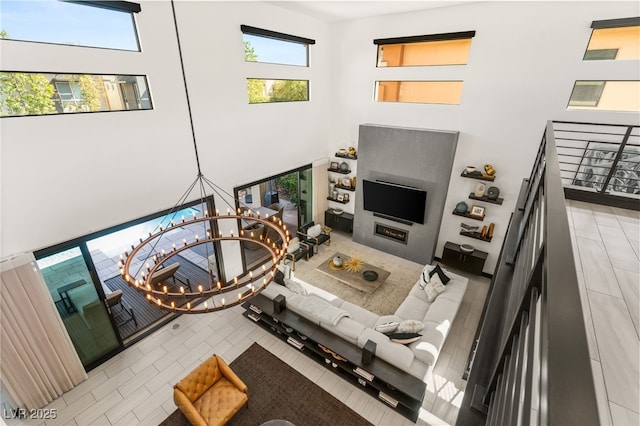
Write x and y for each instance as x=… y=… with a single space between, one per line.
x=211 y=394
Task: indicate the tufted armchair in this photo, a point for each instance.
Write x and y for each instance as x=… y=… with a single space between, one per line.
x=211 y=394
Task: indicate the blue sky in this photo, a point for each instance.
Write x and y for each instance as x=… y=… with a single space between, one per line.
x=277 y=51
x=55 y=21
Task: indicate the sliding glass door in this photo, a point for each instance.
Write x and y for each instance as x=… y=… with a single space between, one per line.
x=80 y=306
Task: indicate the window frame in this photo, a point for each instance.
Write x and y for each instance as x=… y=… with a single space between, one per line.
x=116 y=5
x=56 y=98
x=275 y=35
x=460 y=35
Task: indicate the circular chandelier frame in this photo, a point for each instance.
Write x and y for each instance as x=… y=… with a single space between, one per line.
x=253 y=283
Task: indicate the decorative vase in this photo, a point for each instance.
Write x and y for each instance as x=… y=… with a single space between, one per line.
x=480 y=188
x=462 y=207
x=337 y=261
x=344 y=166
x=493 y=192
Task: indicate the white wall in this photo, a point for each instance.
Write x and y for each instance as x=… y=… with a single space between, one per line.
x=523 y=62
x=65 y=176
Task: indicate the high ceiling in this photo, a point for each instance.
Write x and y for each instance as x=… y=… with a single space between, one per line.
x=334 y=11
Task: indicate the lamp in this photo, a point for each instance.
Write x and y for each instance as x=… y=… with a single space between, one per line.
x=153 y=252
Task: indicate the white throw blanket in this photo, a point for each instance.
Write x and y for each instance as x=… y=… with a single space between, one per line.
x=321 y=310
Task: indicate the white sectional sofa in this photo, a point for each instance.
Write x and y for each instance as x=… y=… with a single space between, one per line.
x=357 y=325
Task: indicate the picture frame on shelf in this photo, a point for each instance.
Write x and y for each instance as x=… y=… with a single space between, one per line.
x=340 y=197
x=477 y=212
x=334 y=165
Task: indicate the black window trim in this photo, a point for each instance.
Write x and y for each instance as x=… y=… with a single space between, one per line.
x=429 y=37
x=246 y=29
x=121 y=6
x=616 y=23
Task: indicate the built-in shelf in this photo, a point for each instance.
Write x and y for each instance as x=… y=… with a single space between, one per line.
x=476 y=235
x=467 y=215
x=479 y=177
x=347 y=156
x=486 y=199
x=345 y=172
x=346 y=188
x=338 y=201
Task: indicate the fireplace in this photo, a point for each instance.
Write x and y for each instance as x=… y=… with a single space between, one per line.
x=394 y=234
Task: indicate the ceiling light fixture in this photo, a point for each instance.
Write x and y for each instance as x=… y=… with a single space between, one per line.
x=141 y=266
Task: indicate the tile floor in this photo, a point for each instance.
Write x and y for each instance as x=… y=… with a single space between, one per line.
x=135 y=387
x=606 y=250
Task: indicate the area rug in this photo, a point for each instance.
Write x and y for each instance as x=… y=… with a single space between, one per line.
x=354 y=279
x=277 y=391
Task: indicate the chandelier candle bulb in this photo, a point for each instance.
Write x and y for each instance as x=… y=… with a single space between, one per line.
x=182 y=289
x=174 y=246
x=188 y=306
x=173 y=305
x=200 y=289
x=223 y=301
x=197 y=239
x=164 y=289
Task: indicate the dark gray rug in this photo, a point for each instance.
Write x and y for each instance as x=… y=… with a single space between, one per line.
x=277 y=391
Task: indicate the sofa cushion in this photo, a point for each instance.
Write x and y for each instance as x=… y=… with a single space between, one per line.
x=455 y=290
x=427 y=348
x=412 y=308
x=272 y=290
x=367 y=318
x=346 y=328
x=394 y=353
x=442 y=311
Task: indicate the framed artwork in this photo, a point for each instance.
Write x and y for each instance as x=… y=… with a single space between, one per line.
x=477 y=212
x=340 y=197
x=334 y=165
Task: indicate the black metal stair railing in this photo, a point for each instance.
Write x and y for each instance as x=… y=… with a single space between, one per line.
x=532 y=364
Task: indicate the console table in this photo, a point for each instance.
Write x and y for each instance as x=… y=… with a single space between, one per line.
x=342 y=222
x=473 y=262
x=398 y=389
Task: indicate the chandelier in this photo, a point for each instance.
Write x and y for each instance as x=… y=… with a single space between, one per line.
x=141 y=265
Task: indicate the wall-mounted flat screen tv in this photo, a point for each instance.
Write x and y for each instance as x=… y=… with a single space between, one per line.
x=398 y=201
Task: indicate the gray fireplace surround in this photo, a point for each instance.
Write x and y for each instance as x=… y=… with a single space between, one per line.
x=421 y=158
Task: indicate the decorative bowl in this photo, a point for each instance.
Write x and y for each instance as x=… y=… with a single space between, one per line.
x=467 y=248
x=370 y=275
x=470 y=169
x=338 y=211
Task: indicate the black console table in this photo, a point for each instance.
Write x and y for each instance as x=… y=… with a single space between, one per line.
x=471 y=262
x=398 y=389
x=342 y=222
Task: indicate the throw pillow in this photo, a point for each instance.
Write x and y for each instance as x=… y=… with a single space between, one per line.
x=278 y=278
x=424 y=279
x=404 y=338
x=438 y=270
x=410 y=326
x=314 y=230
x=294 y=245
x=434 y=288
x=295 y=286
x=387 y=327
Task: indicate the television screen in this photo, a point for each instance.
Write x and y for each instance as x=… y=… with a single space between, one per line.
x=398 y=201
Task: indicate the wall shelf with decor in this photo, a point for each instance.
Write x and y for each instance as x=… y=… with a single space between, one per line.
x=467 y=215
x=487 y=199
x=346 y=188
x=338 y=201
x=347 y=156
x=479 y=177
x=476 y=235
x=342 y=172
x=401 y=391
